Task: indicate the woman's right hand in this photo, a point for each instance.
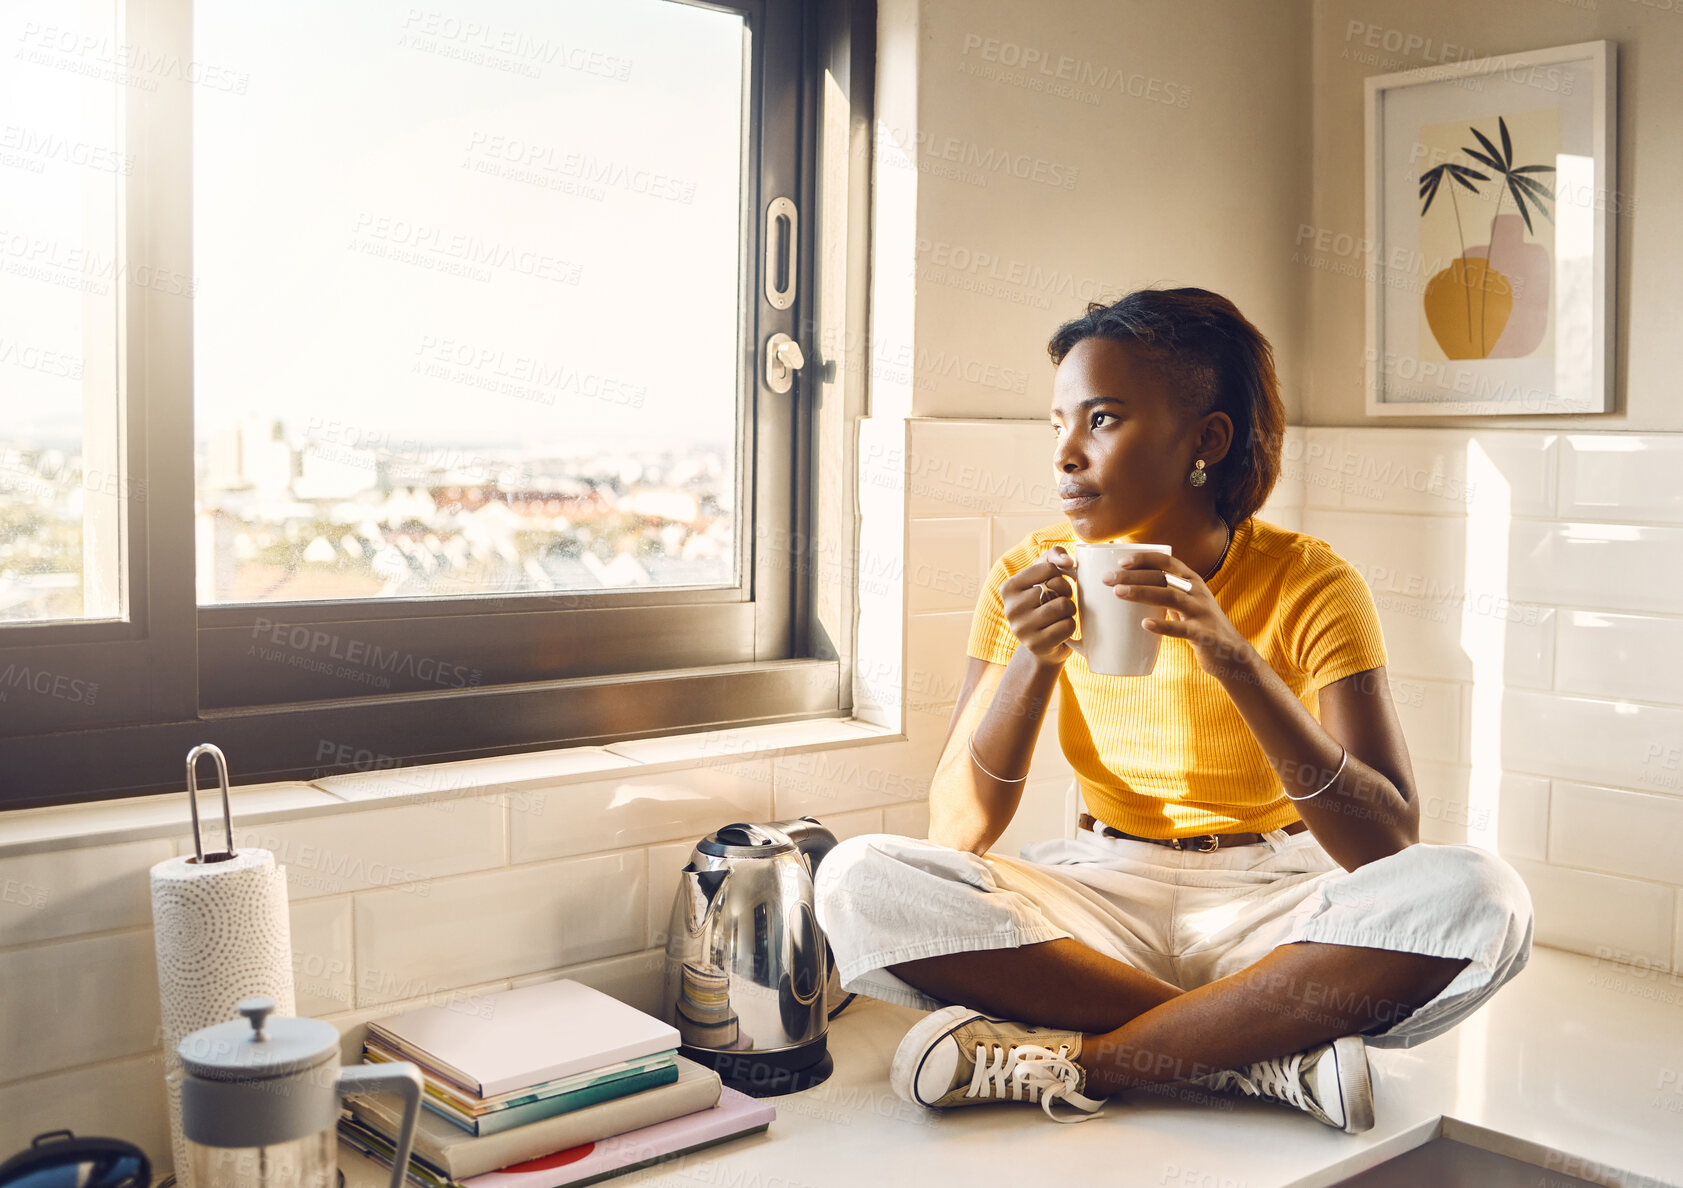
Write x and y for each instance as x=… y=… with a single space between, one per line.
x=1043 y=620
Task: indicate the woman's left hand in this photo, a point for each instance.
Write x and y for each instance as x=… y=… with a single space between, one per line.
x=1193 y=615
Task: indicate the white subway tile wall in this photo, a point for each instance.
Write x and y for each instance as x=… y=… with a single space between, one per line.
x=323 y=956
x=1612 y=655
x=66 y=893
x=79 y=1001
x=116 y=1098
x=1522 y=816
x=509 y=773
x=53 y=830
x=935 y=658
x=1536 y=571
x=628 y=810
x=1645 y=844
x=1446 y=814
x=1431 y=715
x=635 y=978
x=426 y=938
x=1677 y=933
x=1619 y=919
x=1524 y=581
x=1601 y=478
x=1628 y=567
x=1604 y=740
x=382 y=847
x=944 y=563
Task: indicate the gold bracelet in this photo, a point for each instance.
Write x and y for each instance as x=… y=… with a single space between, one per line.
x=1324 y=786
x=970 y=745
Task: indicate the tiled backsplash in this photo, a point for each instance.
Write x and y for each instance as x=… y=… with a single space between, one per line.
x=1527 y=585
x=1524 y=579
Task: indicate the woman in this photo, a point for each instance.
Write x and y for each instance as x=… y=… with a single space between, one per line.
x=1248 y=904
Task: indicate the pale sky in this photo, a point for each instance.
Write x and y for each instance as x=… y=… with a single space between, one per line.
x=362 y=123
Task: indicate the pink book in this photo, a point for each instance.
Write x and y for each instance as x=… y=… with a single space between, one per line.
x=736 y=1114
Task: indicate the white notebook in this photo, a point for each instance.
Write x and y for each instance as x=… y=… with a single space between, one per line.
x=518 y=1038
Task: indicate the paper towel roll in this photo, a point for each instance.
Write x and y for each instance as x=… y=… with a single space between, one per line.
x=223 y=932
x=177 y=1140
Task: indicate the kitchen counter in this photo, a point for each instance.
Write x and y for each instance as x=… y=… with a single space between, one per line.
x=1582 y=1057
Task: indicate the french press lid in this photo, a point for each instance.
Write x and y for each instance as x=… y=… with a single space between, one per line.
x=258 y=1047
x=259 y=1081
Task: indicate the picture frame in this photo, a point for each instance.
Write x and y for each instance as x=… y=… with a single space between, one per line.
x=1521 y=150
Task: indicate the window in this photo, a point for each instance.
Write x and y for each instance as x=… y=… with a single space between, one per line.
x=499 y=321
x=62 y=168
x=390 y=383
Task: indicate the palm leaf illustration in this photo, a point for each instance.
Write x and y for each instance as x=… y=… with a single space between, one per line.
x=1429 y=183
x=1527 y=191
x=1461 y=173
x=1520 y=186
x=1433 y=178
x=1491 y=155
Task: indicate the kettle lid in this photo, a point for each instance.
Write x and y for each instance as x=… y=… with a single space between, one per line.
x=257 y=1047
x=741 y=839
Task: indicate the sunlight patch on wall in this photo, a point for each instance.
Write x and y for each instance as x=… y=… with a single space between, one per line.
x=1484 y=638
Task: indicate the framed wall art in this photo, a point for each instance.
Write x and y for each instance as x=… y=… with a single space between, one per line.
x=1491 y=208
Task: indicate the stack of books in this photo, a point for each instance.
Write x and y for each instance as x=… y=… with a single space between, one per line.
x=549 y=1085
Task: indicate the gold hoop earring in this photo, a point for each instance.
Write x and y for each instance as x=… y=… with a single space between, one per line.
x=1198 y=478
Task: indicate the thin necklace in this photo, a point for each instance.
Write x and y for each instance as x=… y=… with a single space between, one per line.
x=1223 y=556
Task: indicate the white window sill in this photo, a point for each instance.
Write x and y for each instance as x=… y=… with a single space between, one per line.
x=110 y=822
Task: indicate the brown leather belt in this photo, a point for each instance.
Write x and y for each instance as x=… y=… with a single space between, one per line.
x=1201 y=843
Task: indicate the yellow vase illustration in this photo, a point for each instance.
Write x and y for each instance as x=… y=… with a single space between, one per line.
x=1461 y=297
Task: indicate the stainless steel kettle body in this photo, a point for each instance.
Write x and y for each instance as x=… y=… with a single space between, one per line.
x=746 y=964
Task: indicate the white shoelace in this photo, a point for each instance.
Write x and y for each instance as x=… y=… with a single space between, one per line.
x=1030 y=1072
x=1278 y=1079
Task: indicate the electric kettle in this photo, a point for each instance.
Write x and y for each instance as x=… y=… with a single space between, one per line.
x=260 y=1101
x=746 y=964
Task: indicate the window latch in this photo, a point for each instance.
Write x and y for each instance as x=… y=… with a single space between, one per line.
x=783 y=358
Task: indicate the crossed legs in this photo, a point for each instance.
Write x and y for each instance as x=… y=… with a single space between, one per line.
x=1139 y=1030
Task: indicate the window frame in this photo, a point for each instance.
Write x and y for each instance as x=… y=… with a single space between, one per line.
x=169 y=676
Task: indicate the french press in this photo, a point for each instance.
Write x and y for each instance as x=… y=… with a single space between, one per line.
x=260 y=1101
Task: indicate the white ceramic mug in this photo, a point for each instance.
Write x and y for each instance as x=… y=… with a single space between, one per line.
x=1111 y=638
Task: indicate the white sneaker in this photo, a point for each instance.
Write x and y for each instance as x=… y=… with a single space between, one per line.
x=957 y=1056
x=1330 y=1082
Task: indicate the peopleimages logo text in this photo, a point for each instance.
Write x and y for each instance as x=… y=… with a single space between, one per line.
x=304 y=640
x=1076 y=71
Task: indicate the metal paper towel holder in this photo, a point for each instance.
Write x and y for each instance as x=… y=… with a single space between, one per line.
x=214 y=752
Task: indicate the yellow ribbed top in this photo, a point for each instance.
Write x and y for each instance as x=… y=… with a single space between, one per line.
x=1168 y=755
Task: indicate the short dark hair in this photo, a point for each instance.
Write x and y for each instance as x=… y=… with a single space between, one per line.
x=1219 y=362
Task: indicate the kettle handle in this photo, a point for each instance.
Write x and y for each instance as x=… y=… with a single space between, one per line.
x=811 y=837
x=400 y=1078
